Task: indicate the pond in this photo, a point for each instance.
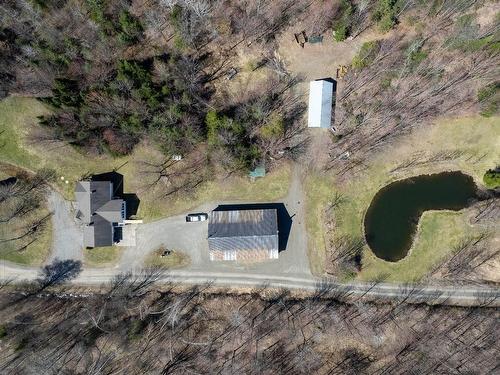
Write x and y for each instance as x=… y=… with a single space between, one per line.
x=392 y=218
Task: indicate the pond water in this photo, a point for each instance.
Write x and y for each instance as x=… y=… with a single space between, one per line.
x=392 y=218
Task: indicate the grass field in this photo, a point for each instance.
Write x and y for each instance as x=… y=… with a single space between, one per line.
x=18 y=123
x=273 y=186
x=176 y=259
x=14 y=112
x=37 y=252
x=319 y=192
x=102 y=256
x=439 y=231
x=34 y=254
x=18 y=119
x=478 y=140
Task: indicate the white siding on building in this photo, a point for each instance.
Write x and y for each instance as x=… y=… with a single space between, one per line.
x=320 y=104
x=230 y=255
x=273 y=254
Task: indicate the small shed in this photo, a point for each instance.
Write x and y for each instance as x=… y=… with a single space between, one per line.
x=320 y=104
x=259 y=171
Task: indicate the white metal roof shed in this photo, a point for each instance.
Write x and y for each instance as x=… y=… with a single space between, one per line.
x=320 y=104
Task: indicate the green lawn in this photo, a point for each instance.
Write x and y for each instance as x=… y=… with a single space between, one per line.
x=319 y=191
x=176 y=259
x=479 y=141
x=34 y=254
x=14 y=114
x=19 y=124
x=438 y=232
x=273 y=186
x=102 y=256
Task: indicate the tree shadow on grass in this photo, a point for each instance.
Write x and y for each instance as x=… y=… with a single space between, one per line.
x=59 y=272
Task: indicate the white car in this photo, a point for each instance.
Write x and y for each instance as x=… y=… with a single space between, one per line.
x=196 y=217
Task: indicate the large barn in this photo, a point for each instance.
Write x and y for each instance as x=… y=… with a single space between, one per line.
x=244 y=235
x=320 y=104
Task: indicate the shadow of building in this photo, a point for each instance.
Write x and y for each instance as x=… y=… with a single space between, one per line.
x=115 y=178
x=131 y=199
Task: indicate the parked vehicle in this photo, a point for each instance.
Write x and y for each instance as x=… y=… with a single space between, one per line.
x=196 y=217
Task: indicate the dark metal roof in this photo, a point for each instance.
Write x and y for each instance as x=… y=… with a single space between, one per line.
x=243 y=229
x=241 y=223
x=98 y=233
x=98 y=210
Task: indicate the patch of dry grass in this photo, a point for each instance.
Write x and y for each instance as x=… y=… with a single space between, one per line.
x=35 y=254
x=235 y=188
x=176 y=259
x=318 y=188
x=102 y=256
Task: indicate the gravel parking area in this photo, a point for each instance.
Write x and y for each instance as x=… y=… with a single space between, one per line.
x=191 y=238
x=67 y=236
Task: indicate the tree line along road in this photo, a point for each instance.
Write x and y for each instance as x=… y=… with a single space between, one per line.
x=409 y=293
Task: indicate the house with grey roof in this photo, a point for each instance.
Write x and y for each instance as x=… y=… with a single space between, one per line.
x=99 y=211
x=244 y=235
x=320 y=104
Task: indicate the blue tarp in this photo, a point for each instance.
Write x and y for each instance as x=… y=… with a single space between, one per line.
x=315 y=39
x=258 y=172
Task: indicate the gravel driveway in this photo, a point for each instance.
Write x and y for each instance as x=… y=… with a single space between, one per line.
x=67 y=236
x=172 y=232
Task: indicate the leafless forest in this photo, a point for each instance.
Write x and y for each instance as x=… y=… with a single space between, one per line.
x=136 y=327
x=116 y=72
x=411 y=78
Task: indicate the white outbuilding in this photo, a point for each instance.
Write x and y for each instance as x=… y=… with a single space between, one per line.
x=320 y=104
